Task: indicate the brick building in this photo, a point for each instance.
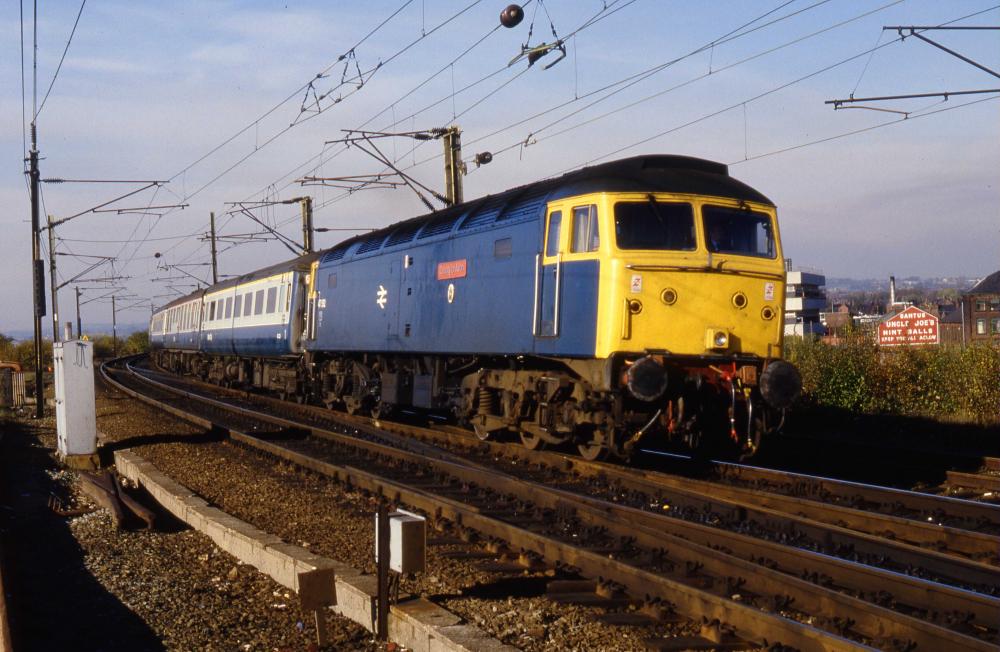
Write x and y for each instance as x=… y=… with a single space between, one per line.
x=981 y=310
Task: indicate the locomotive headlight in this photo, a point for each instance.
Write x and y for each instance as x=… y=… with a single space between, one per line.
x=716 y=338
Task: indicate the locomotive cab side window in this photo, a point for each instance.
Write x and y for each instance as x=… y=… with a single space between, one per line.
x=652 y=224
x=738 y=231
x=552 y=236
x=586 y=236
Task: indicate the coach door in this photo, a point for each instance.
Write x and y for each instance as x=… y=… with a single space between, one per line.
x=548 y=279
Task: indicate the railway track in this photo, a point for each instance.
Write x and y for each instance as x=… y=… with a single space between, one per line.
x=986 y=482
x=775 y=572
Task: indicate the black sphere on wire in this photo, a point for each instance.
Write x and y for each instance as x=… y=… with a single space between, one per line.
x=511 y=16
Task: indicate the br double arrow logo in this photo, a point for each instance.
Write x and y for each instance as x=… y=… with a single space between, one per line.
x=383 y=297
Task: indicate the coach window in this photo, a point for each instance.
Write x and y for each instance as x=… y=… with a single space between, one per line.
x=258 y=302
x=585 y=233
x=238 y=305
x=281 y=297
x=552 y=239
x=272 y=300
x=229 y=307
x=247 y=304
x=211 y=312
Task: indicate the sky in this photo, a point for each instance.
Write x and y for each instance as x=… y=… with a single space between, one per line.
x=238 y=101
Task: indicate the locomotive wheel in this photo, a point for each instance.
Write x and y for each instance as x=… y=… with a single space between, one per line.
x=531 y=441
x=482 y=434
x=382 y=410
x=597 y=448
x=351 y=405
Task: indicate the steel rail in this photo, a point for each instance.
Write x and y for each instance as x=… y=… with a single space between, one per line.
x=954 y=540
x=646 y=527
x=928 y=505
x=984 y=482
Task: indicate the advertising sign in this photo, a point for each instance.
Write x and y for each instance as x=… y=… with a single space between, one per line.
x=911 y=327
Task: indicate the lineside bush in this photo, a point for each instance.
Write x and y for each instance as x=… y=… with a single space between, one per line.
x=942 y=382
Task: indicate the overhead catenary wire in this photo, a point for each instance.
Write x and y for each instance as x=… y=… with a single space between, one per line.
x=61 y=59
x=756 y=97
x=288 y=128
x=607 y=10
x=291 y=95
x=186 y=196
x=381 y=64
x=623 y=84
x=854 y=132
x=616 y=87
x=304 y=166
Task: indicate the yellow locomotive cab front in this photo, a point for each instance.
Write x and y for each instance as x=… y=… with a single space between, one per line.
x=690 y=276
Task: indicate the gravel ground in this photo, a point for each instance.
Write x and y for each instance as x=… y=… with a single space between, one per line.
x=77 y=583
x=336 y=522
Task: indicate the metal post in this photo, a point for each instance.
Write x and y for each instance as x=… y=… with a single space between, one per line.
x=114 y=328
x=382 y=622
x=79 y=326
x=52 y=280
x=452 y=140
x=38 y=271
x=307 y=224
x=215 y=262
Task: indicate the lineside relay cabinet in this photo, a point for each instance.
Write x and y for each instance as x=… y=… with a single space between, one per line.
x=76 y=418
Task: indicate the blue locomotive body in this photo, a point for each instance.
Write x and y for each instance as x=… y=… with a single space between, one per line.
x=461 y=283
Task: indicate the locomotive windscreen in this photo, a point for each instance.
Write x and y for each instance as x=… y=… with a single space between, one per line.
x=654 y=225
x=735 y=231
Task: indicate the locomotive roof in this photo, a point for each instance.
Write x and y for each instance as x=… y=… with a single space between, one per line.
x=650 y=173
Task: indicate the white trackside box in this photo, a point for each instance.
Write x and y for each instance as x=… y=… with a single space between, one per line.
x=76 y=418
x=407 y=541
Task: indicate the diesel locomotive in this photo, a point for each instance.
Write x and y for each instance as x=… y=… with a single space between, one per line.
x=633 y=303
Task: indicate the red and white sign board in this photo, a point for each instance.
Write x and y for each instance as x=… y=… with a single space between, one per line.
x=911 y=327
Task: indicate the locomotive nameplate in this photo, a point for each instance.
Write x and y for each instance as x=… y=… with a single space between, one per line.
x=452 y=269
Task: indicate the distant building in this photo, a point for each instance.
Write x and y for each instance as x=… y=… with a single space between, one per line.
x=804 y=299
x=838 y=321
x=981 y=310
x=950 y=317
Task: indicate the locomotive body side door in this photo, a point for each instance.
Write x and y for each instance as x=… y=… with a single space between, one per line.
x=548 y=272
